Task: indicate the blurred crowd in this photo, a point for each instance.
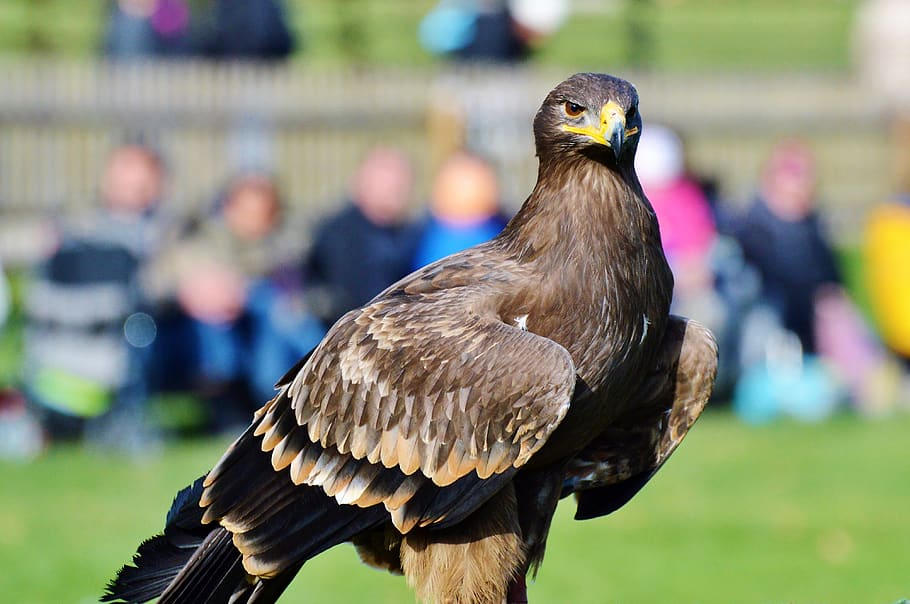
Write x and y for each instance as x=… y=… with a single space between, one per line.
x=769 y=282
x=132 y=304
x=216 y=29
x=464 y=30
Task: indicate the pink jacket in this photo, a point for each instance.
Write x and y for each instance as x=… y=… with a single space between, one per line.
x=686 y=225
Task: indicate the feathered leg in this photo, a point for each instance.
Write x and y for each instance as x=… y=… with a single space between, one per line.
x=472 y=563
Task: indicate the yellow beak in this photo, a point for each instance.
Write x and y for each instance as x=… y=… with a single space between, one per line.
x=611 y=130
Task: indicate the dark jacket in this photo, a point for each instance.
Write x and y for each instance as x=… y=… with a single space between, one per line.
x=247 y=29
x=794 y=259
x=353 y=259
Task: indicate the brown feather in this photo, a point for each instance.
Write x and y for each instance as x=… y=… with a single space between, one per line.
x=304 y=462
x=285 y=452
x=353 y=492
x=341 y=477
x=403 y=493
x=388 y=447
x=408 y=454
x=327 y=464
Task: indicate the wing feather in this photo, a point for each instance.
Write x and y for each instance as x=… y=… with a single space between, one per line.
x=617 y=464
x=430 y=383
x=424 y=402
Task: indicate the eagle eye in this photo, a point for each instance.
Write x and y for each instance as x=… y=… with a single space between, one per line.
x=572 y=109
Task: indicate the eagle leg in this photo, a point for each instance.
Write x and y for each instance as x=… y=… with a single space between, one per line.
x=518 y=591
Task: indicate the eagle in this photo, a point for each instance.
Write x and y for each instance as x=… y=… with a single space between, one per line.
x=437 y=427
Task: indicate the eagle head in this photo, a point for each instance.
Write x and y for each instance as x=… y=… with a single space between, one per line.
x=592 y=114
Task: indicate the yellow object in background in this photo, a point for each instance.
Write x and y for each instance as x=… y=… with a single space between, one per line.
x=887 y=255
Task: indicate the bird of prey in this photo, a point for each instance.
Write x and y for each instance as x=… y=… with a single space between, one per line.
x=437 y=427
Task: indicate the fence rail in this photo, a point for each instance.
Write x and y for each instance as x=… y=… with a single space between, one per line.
x=59 y=120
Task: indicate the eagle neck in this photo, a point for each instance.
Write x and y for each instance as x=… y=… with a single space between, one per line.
x=590 y=239
x=579 y=209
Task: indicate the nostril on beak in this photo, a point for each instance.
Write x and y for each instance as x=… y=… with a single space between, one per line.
x=610 y=116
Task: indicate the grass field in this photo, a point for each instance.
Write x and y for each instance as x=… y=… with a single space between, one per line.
x=782 y=514
x=677 y=34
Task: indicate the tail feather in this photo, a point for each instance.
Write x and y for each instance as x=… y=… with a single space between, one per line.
x=211 y=574
x=159 y=560
x=264 y=527
x=267 y=592
x=140 y=583
x=275 y=523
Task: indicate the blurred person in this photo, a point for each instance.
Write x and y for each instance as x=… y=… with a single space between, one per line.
x=713 y=284
x=887 y=257
x=369 y=243
x=881 y=48
x=132 y=188
x=234 y=279
x=464 y=209
x=246 y=29
x=147 y=28
x=782 y=235
x=686 y=225
x=490 y=30
x=85 y=332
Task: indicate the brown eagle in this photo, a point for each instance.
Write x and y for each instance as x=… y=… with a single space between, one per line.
x=438 y=426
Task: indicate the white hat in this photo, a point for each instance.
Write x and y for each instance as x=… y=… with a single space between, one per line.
x=540 y=16
x=659 y=159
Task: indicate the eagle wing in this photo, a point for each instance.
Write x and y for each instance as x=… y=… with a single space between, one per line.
x=618 y=463
x=424 y=401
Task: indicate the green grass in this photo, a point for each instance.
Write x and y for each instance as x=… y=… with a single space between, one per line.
x=704 y=35
x=782 y=514
x=677 y=34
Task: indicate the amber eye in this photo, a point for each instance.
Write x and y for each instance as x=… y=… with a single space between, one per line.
x=573 y=109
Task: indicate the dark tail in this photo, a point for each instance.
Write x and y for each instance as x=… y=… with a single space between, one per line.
x=192 y=562
x=283 y=526
x=160 y=559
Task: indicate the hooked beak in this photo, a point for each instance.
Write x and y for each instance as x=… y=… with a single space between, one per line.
x=611 y=129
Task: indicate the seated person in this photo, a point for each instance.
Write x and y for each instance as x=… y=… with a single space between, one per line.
x=368 y=244
x=85 y=333
x=687 y=228
x=464 y=209
x=781 y=234
x=243 y=321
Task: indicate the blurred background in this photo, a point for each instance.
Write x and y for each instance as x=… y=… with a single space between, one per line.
x=192 y=191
